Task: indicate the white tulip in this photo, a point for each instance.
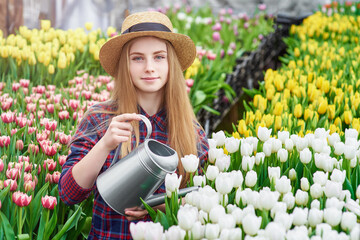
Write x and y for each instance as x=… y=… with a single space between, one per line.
x=283 y=135
x=251 y=224
x=267 y=148
x=332 y=216
x=305 y=156
x=223 y=163
x=338 y=176
x=333 y=202
x=249 y=209
x=300 y=216
x=237 y=178
x=212 y=172
x=274 y=173
x=215 y=153
x=284 y=219
x=339 y=148
x=250 y=178
x=315 y=204
x=146 y=230
x=190 y=163
x=172 y=182
x=316 y=190
x=352 y=141
x=231 y=234
x=219 y=138
x=246 y=149
x=349 y=151
x=207 y=202
x=310 y=137
x=301 y=197
x=259 y=158
x=282 y=154
x=212 y=143
x=238 y=215
x=315 y=217
x=275 y=231
x=276 y=145
x=279 y=207
x=289 y=199
x=187 y=216
x=216 y=212
x=321 y=133
x=224 y=183
x=289 y=144
x=203 y=217
x=198 y=231
x=267 y=198
x=345 y=195
x=199 y=180
x=332 y=189
x=327 y=150
x=247 y=163
x=351 y=133
x=322 y=228
x=253 y=198
x=294 y=138
x=263 y=133
x=318 y=144
x=175 y=232
x=226 y=221
x=355 y=233
x=304 y=184
x=212 y=231
x=301 y=143
x=334 y=138
x=348 y=221
x=353 y=162
x=320 y=177
x=232 y=144
x=137 y=230
x=283 y=185
x=299 y=233
x=358 y=192
x=292 y=174
x=252 y=141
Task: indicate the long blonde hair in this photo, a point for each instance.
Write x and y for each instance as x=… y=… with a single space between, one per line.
x=181 y=120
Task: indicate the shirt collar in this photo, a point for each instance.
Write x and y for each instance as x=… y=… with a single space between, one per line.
x=159 y=118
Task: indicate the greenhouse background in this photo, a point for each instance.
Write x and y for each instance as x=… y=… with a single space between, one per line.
x=275 y=84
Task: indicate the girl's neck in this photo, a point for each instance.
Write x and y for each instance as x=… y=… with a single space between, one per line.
x=151 y=103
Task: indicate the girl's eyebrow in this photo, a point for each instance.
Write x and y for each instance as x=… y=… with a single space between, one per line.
x=140 y=53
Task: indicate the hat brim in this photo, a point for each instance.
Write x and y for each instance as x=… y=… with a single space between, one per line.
x=110 y=52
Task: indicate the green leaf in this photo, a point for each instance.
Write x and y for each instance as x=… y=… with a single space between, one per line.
x=161 y=218
x=199 y=96
x=23 y=237
x=9 y=232
x=347 y=185
x=150 y=210
x=35 y=206
x=70 y=223
x=50 y=226
x=4 y=192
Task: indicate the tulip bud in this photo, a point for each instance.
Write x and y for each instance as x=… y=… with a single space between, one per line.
x=198 y=230
x=1 y=165
x=348 y=221
x=304 y=183
x=301 y=197
x=212 y=172
x=172 y=182
x=232 y=144
x=251 y=178
x=199 y=180
x=292 y=174
x=315 y=217
x=187 y=216
x=332 y=216
x=251 y=224
x=21 y=199
x=263 y=133
x=190 y=163
x=49 y=202
x=283 y=185
x=300 y=216
x=219 y=137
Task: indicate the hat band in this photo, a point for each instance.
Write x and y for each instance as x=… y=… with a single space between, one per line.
x=147 y=26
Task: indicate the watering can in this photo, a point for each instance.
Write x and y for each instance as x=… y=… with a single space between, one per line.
x=138 y=175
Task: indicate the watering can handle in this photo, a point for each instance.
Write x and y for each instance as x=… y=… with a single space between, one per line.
x=148 y=133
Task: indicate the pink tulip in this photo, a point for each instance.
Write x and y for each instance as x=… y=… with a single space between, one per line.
x=27 y=177
x=0 y=204
x=1 y=165
x=4 y=141
x=62 y=160
x=50 y=164
x=86 y=94
x=230 y=11
x=50 y=108
x=31 y=107
x=40 y=89
x=13 y=184
x=189 y=82
x=51 y=125
x=211 y=56
x=222 y=11
x=216 y=36
x=13 y=131
x=8 y=117
x=12 y=173
x=33 y=148
x=49 y=202
x=2 y=85
x=24 y=83
x=23 y=159
x=6 y=105
x=262 y=7
x=49 y=178
x=217 y=27
x=64 y=115
x=74 y=104
x=21 y=121
x=42 y=136
x=15 y=86
x=29 y=185
x=64 y=139
x=51 y=87
x=48 y=148
x=56 y=177
x=21 y=199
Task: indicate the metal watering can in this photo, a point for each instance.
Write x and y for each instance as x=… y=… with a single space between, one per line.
x=138 y=175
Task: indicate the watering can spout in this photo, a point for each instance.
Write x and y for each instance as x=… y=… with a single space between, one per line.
x=157 y=199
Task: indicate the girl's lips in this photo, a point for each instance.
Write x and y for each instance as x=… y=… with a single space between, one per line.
x=149 y=78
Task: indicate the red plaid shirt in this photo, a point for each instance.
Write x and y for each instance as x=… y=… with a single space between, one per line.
x=106 y=223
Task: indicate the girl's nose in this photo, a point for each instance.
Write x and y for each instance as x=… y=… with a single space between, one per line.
x=149 y=66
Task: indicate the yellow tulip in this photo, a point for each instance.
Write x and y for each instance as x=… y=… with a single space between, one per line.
x=62 y=61
x=332 y=128
x=242 y=126
x=258 y=115
x=236 y=135
x=279 y=83
x=338 y=122
x=89 y=25
x=292 y=64
x=296 y=52
x=278 y=109
x=347 y=117
x=45 y=24
x=278 y=122
x=263 y=104
x=298 y=110
x=325 y=87
x=110 y=31
x=331 y=111
x=322 y=106
x=32 y=59
x=250 y=117
x=51 y=69
x=308 y=114
x=47 y=59
x=270 y=93
x=269 y=120
x=4 y=51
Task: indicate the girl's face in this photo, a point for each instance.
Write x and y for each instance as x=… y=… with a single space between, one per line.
x=148 y=62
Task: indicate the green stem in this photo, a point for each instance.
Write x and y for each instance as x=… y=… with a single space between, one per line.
x=191 y=180
x=19 y=220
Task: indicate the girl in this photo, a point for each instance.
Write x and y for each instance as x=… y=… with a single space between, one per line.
x=147 y=62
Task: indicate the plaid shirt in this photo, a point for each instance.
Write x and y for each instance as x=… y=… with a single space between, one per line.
x=106 y=223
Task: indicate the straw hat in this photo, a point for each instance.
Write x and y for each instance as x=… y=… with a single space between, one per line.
x=142 y=24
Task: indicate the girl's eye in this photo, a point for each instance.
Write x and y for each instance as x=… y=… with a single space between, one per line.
x=137 y=59
x=160 y=57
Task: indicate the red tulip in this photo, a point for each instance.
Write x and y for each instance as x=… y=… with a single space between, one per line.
x=49 y=202
x=21 y=199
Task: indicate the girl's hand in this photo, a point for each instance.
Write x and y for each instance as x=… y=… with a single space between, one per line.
x=135 y=213
x=119 y=130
